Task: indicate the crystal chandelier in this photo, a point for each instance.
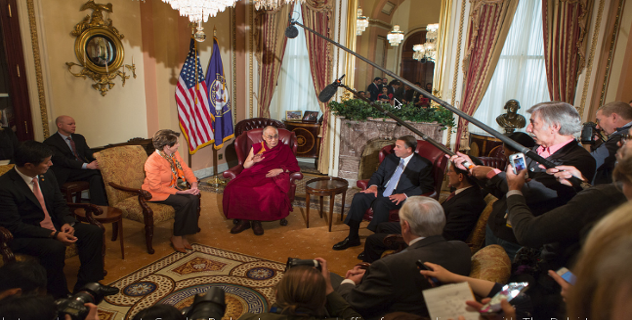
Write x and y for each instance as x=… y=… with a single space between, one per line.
x=427 y=51
x=361 y=23
x=273 y=4
x=200 y=10
x=395 y=37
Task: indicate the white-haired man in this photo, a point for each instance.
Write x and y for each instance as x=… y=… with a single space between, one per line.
x=393 y=283
x=553 y=126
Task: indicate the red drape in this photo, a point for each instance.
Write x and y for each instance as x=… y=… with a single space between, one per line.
x=317 y=15
x=564 y=24
x=489 y=24
x=269 y=28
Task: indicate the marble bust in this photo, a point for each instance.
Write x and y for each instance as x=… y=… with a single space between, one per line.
x=511 y=120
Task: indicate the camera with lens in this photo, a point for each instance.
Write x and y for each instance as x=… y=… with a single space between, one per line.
x=74 y=305
x=293 y=262
x=210 y=305
x=589 y=131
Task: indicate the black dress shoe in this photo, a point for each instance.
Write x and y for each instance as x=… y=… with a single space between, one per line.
x=361 y=256
x=109 y=290
x=346 y=243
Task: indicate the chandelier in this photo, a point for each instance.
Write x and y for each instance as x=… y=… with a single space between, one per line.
x=273 y=4
x=199 y=10
x=361 y=23
x=395 y=37
x=427 y=51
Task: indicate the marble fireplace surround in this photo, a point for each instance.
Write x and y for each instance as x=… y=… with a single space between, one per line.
x=356 y=135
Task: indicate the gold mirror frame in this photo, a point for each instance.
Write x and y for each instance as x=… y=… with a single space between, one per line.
x=94 y=27
x=81 y=51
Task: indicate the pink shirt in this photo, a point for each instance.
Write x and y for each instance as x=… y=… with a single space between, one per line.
x=543 y=152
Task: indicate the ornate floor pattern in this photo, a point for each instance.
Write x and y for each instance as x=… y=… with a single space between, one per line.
x=176 y=279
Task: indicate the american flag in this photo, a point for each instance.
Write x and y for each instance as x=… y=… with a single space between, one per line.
x=193 y=106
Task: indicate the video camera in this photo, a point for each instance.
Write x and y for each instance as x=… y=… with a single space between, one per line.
x=74 y=305
x=210 y=305
x=589 y=131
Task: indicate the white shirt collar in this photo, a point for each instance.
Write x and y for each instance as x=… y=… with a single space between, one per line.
x=27 y=179
x=408 y=159
x=63 y=136
x=457 y=191
x=415 y=240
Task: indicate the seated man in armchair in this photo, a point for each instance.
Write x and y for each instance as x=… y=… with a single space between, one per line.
x=260 y=191
x=34 y=211
x=401 y=174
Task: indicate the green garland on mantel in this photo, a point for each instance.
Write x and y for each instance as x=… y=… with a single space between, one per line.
x=359 y=110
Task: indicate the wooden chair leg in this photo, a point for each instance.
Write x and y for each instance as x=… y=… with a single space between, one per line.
x=149 y=236
x=115 y=230
x=120 y=230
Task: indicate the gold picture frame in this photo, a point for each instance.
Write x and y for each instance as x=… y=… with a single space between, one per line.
x=294 y=115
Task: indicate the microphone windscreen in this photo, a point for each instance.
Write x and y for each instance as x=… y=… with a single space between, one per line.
x=291 y=32
x=327 y=93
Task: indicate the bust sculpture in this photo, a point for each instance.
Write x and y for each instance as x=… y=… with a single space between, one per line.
x=511 y=120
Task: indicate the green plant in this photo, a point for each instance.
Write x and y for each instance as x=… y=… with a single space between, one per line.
x=356 y=109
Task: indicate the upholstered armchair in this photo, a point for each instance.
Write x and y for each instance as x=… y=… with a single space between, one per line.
x=123 y=171
x=254 y=123
x=244 y=143
x=426 y=150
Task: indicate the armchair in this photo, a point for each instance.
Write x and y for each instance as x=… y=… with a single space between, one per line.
x=244 y=143
x=426 y=150
x=123 y=171
x=254 y=123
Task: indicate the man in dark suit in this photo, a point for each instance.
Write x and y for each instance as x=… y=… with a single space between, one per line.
x=74 y=161
x=462 y=209
x=33 y=209
x=374 y=88
x=393 y=283
x=402 y=174
x=614 y=119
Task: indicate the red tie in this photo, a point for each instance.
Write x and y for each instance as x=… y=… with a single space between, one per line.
x=450 y=197
x=74 y=149
x=47 y=222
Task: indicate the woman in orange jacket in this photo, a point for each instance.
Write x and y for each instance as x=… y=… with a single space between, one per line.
x=163 y=168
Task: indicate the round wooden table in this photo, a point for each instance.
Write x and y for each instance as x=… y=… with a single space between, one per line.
x=326 y=186
x=109 y=215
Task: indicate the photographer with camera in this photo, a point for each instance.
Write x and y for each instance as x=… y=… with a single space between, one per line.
x=306 y=292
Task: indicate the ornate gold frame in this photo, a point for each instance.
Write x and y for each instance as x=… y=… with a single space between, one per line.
x=95 y=33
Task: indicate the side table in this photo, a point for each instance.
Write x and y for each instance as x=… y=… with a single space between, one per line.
x=110 y=215
x=326 y=186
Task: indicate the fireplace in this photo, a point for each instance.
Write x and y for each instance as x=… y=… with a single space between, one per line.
x=360 y=142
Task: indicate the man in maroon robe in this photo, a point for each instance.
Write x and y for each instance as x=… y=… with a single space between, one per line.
x=260 y=191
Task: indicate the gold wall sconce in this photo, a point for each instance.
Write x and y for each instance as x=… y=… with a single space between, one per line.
x=99 y=50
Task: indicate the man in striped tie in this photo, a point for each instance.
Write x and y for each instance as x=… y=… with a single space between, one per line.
x=402 y=174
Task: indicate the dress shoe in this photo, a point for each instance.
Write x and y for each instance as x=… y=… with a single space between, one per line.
x=109 y=290
x=346 y=243
x=257 y=228
x=361 y=256
x=178 y=249
x=241 y=226
x=188 y=246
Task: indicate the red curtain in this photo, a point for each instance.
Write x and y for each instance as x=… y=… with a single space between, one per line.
x=270 y=36
x=317 y=15
x=489 y=24
x=564 y=24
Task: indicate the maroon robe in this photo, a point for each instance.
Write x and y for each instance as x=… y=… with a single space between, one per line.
x=252 y=196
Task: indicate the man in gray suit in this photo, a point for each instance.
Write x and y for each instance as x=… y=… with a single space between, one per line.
x=393 y=283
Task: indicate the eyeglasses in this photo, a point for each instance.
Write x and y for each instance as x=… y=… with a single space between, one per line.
x=625 y=137
x=270 y=137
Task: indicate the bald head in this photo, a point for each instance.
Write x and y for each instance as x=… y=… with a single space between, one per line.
x=65 y=125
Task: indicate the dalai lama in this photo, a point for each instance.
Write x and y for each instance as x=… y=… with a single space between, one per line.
x=260 y=191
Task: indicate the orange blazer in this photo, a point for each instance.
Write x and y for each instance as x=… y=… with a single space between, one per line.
x=158 y=176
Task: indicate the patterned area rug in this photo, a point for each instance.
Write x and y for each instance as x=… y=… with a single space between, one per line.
x=176 y=279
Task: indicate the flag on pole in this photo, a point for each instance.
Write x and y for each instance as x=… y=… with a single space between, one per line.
x=193 y=107
x=219 y=98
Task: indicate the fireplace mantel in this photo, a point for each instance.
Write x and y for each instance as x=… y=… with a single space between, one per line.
x=354 y=136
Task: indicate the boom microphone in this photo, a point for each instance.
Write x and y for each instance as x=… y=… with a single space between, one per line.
x=329 y=90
